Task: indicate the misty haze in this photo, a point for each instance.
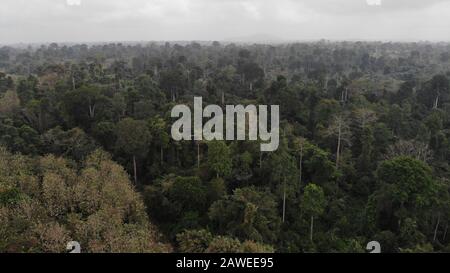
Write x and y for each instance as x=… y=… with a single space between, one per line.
x=223 y=20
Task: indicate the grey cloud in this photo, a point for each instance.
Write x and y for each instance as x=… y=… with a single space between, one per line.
x=360 y=6
x=118 y=20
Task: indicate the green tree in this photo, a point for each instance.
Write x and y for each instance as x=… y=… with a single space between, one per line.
x=313 y=204
x=406 y=196
x=248 y=214
x=188 y=193
x=83 y=105
x=219 y=158
x=74 y=143
x=339 y=129
x=160 y=136
x=133 y=139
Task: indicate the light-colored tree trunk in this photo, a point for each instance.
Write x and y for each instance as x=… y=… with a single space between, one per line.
x=436 y=102
x=445 y=232
x=339 y=145
x=198 y=155
x=437 y=227
x=300 y=165
x=284 y=200
x=135 y=170
x=342 y=96
x=91 y=111
x=311 y=229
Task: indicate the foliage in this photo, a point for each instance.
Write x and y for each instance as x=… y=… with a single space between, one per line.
x=54 y=203
x=364 y=148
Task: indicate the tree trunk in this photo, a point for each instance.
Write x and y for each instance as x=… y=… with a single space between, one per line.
x=135 y=170
x=437 y=226
x=284 y=200
x=162 y=155
x=41 y=127
x=92 y=111
x=311 y=229
x=301 y=165
x=445 y=232
x=338 y=147
x=436 y=102
x=198 y=155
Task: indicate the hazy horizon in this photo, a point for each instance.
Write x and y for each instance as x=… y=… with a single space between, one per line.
x=99 y=21
x=234 y=40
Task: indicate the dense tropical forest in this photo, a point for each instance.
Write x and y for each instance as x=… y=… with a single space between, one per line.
x=86 y=152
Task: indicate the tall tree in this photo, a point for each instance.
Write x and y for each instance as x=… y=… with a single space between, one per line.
x=313 y=204
x=133 y=139
x=340 y=129
x=160 y=136
x=219 y=158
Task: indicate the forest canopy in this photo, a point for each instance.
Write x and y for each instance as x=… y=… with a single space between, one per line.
x=87 y=155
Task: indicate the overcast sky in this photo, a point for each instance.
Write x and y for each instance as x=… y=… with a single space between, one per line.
x=145 y=20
